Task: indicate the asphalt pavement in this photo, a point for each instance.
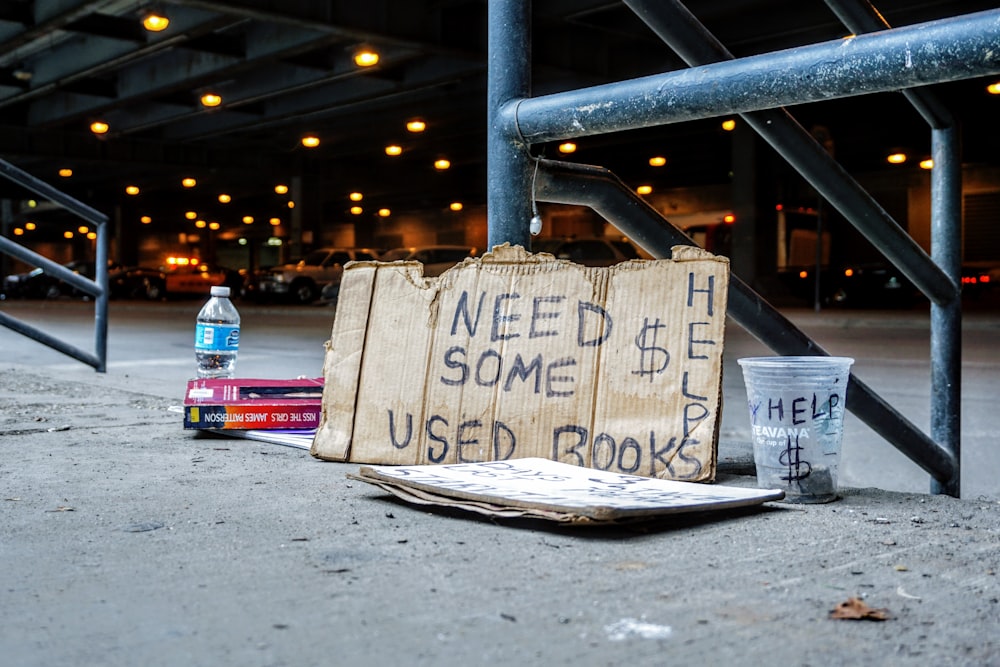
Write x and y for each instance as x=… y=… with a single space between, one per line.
x=127 y=540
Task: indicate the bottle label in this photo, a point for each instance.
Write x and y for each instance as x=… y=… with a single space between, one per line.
x=216 y=337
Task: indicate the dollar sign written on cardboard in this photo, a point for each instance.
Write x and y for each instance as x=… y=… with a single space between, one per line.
x=653 y=359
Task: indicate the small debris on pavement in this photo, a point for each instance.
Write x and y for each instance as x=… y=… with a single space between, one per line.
x=855 y=609
x=629 y=628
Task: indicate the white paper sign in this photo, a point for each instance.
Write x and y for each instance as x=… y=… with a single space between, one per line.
x=545 y=484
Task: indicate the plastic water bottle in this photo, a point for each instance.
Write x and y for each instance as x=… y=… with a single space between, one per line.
x=217 y=336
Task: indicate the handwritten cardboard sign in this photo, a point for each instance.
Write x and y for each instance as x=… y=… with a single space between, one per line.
x=514 y=355
x=540 y=488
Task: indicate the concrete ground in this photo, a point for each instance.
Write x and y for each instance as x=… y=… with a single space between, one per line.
x=125 y=540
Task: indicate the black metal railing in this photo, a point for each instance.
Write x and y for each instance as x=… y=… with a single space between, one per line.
x=97 y=288
x=757 y=88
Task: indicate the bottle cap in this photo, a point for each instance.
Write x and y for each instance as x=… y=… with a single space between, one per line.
x=220 y=290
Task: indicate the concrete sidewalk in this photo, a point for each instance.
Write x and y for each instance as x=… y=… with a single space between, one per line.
x=128 y=541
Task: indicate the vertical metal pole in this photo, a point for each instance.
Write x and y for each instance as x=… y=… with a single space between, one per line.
x=101 y=303
x=508 y=164
x=946 y=320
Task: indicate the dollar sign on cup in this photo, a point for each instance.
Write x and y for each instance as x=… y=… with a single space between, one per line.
x=791 y=457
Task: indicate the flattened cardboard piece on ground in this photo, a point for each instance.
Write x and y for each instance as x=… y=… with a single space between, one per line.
x=545 y=489
x=514 y=355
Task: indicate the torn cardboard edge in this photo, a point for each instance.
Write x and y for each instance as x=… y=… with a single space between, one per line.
x=514 y=355
x=544 y=489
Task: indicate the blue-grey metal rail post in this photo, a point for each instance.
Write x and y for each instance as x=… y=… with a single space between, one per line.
x=508 y=179
x=861 y=16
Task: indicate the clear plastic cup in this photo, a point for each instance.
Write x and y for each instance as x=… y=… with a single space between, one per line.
x=797 y=422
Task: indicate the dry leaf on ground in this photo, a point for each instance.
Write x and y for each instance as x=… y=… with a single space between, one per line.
x=854 y=609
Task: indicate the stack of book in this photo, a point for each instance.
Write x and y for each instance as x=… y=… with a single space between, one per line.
x=260 y=409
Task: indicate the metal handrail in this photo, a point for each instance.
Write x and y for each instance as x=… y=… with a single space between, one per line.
x=97 y=288
x=904 y=58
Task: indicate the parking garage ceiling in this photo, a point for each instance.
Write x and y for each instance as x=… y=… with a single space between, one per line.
x=285 y=68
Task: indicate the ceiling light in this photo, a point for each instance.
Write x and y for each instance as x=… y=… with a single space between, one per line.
x=310 y=141
x=657 y=161
x=568 y=147
x=99 y=127
x=442 y=164
x=356 y=196
x=29 y=226
x=155 y=21
x=281 y=189
x=729 y=218
x=224 y=198
x=357 y=210
x=415 y=125
x=213 y=225
x=91 y=235
x=189 y=182
x=993 y=88
x=247 y=219
x=365 y=57
x=190 y=215
x=83 y=229
x=456 y=206
x=275 y=222
x=927 y=164
x=132 y=190
x=729 y=125
x=896 y=158
x=393 y=150
x=644 y=189
x=384 y=213
x=145 y=219
x=211 y=100
x=200 y=224
x=18 y=231
x=65 y=172
x=67 y=235
x=290 y=204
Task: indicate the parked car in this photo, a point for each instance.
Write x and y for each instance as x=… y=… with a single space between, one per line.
x=588 y=251
x=137 y=282
x=303 y=281
x=37 y=284
x=436 y=260
x=198 y=279
x=123 y=282
x=867 y=285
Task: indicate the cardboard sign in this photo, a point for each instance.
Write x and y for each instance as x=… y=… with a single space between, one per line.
x=514 y=355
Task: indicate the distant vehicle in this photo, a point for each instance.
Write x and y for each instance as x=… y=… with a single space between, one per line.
x=978 y=278
x=303 y=281
x=436 y=258
x=589 y=251
x=198 y=279
x=123 y=283
x=137 y=282
x=871 y=285
x=36 y=284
